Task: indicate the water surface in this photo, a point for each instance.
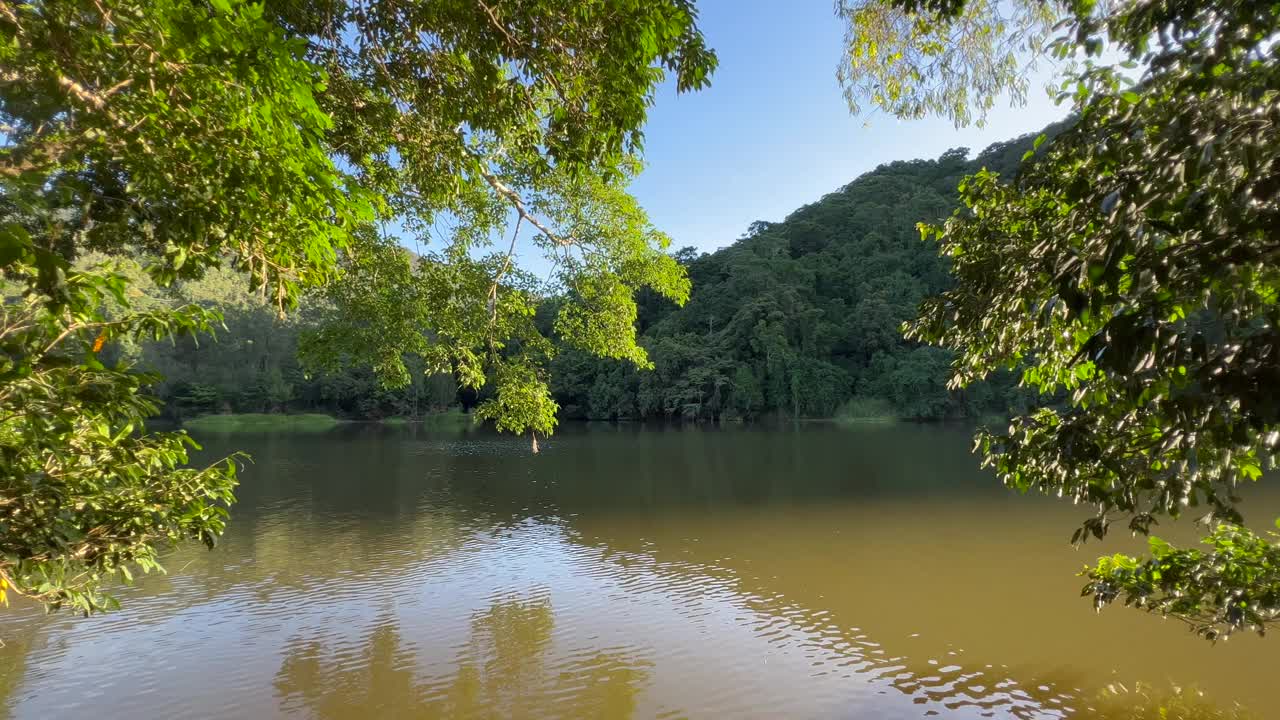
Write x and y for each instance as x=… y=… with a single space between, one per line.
x=623 y=572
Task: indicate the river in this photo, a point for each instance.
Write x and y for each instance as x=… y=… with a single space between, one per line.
x=814 y=572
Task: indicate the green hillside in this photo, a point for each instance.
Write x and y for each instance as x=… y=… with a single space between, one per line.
x=801 y=318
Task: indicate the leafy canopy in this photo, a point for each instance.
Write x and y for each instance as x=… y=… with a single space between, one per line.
x=942 y=58
x=274 y=138
x=1133 y=266
x=497 y=119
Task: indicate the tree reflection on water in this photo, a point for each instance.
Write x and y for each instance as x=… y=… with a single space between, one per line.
x=507 y=669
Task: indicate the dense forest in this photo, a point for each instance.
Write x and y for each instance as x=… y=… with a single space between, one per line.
x=799 y=318
x=802 y=318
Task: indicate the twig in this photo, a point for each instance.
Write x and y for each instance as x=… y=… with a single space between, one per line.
x=493 y=289
x=493 y=17
x=98 y=100
x=514 y=198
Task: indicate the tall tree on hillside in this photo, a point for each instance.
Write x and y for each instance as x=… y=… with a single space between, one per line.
x=1133 y=264
x=271 y=137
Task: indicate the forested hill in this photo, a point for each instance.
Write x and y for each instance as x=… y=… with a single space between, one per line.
x=801 y=318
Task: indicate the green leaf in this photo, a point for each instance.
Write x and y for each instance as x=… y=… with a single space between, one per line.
x=15 y=243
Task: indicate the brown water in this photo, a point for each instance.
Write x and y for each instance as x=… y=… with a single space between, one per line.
x=813 y=573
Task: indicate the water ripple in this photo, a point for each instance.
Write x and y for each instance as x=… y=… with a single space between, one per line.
x=420 y=593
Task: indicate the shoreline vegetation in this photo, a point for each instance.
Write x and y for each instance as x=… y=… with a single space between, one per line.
x=451 y=418
x=317 y=422
x=262 y=422
x=866 y=410
x=855 y=413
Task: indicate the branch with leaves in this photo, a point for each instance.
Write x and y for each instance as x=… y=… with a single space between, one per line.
x=1129 y=269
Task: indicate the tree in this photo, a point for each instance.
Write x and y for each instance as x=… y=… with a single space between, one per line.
x=85 y=496
x=103 y=152
x=1132 y=266
x=747 y=394
x=477 y=317
x=271 y=138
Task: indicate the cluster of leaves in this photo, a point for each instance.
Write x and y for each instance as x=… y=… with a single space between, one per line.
x=942 y=58
x=83 y=495
x=188 y=132
x=1134 y=265
x=474 y=317
x=1236 y=584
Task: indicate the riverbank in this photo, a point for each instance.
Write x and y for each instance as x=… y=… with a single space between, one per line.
x=457 y=419
x=316 y=422
x=262 y=422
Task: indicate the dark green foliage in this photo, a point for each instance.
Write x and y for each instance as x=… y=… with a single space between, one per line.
x=800 y=316
x=85 y=494
x=1135 y=266
x=250 y=363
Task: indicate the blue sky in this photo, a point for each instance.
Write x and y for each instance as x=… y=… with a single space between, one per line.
x=773 y=133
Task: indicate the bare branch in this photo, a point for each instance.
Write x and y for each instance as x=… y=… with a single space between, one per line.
x=493 y=289
x=514 y=198
x=90 y=97
x=493 y=17
x=9 y=14
x=95 y=99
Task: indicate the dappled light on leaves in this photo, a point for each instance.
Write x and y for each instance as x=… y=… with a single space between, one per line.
x=1131 y=269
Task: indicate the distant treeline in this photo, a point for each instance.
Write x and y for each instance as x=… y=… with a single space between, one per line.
x=797 y=319
x=252 y=365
